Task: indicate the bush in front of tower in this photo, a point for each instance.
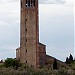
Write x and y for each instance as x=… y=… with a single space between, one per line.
x=10 y=62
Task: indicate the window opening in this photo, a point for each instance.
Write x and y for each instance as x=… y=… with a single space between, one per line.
x=27 y=3
x=26 y=61
x=21 y=4
x=26 y=19
x=26 y=30
x=32 y=3
x=26 y=50
x=26 y=40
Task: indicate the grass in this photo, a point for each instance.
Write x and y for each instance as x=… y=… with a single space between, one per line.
x=26 y=70
x=33 y=71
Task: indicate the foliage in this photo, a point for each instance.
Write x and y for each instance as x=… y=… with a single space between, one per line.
x=69 y=60
x=9 y=62
x=71 y=57
x=55 y=64
x=33 y=71
x=26 y=70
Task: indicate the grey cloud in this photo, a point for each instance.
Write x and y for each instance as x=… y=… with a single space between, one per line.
x=51 y=1
x=57 y=31
x=9 y=31
x=13 y=0
x=8 y=1
x=5 y=53
x=40 y=1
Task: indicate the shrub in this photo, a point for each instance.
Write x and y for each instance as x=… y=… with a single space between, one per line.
x=9 y=62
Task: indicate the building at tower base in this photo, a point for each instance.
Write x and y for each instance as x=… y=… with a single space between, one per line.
x=41 y=55
x=31 y=51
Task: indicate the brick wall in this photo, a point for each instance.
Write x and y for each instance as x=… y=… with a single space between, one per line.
x=42 y=54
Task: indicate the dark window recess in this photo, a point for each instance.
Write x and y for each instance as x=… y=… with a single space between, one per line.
x=26 y=61
x=26 y=50
x=32 y=3
x=26 y=30
x=21 y=4
x=26 y=19
x=26 y=40
x=27 y=3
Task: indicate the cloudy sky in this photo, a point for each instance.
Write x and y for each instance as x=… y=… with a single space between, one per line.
x=56 y=20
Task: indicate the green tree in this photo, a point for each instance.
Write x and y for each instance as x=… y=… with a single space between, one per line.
x=55 y=64
x=10 y=62
x=71 y=57
x=67 y=60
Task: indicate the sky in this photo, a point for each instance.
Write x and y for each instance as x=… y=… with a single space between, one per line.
x=56 y=27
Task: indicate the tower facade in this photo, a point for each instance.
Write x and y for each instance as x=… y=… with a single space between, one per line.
x=29 y=32
x=31 y=51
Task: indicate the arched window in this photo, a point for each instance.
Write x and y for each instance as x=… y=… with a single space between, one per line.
x=27 y=3
x=32 y=3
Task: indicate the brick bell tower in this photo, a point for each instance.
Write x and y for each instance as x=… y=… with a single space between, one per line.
x=29 y=34
x=30 y=52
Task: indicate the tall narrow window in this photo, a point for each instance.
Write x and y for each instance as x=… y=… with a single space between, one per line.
x=26 y=19
x=32 y=3
x=27 y=3
x=26 y=30
x=26 y=61
x=26 y=40
x=26 y=51
x=21 y=4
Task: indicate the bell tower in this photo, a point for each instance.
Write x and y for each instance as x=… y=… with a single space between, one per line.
x=29 y=32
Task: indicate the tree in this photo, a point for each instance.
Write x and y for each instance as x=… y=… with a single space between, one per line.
x=71 y=57
x=67 y=60
x=9 y=62
x=55 y=64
